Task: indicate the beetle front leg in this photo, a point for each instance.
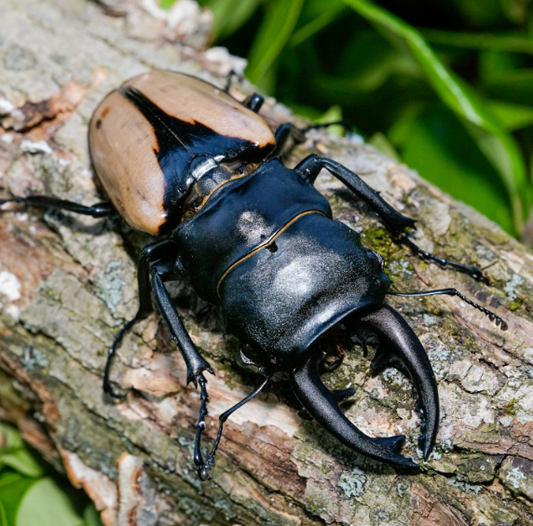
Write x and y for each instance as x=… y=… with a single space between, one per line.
x=311 y=166
x=202 y=467
x=396 y=222
x=194 y=362
x=473 y=272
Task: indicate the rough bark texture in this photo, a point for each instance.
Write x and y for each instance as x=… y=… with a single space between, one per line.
x=67 y=283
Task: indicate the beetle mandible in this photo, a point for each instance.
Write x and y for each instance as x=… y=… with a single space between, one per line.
x=184 y=161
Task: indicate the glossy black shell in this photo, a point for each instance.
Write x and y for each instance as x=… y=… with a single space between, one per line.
x=266 y=249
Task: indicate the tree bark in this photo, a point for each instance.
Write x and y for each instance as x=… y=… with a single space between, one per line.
x=67 y=284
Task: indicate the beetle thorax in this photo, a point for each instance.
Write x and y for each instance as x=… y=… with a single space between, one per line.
x=207 y=176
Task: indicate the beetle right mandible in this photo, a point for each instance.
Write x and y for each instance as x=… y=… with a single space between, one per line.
x=185 y=162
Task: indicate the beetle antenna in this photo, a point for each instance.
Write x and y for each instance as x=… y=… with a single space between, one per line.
x=454 y=292
x=201 y=466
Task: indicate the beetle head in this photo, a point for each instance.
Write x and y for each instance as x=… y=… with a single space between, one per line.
x=397 y=343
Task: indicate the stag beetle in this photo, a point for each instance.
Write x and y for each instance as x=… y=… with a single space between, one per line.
x=187 y=163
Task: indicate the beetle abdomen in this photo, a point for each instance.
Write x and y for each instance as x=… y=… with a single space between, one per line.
x=281 y=301
x=143 y=136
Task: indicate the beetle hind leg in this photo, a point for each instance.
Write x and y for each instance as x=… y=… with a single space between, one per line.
x=107 y=386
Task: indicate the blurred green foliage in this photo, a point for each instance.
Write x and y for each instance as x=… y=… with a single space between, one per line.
x=445 y=86
x=32 y=494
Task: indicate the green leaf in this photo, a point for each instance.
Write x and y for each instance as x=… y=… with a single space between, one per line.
x=166 y=4
x=322 y=15
x=506 y=76
x=91 y=517
x=512 y=116
x=478 y=13
x=333 y=114
x=513 y=86
x=14 y=453
x=45 y=504
x=278 y=25
x=380 y=141
x=23 y=461
x=13 y=488
x=9 y=438
x=435 y=143
x=499 y=147
x=516 y=42
x=230 y=15
x=3 y=516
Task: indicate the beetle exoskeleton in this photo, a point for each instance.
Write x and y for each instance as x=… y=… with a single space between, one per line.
x=185 y=162
x=144 y=134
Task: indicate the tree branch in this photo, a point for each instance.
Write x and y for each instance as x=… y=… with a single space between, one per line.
x=67 y=283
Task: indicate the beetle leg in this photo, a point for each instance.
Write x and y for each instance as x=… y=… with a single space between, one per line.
x=229 y=80
x=473 y=272
x=322 y=404
x=253 y=102
x=195 y=363
x=201 y=466
x=41 y=201
x=454 y=292
x=150 y=254
x=311 y=166
x=309 y=169
x=288 y=129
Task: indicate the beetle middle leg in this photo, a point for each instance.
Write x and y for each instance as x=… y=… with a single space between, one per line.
x=157 y=264
x=396 y=222
x=104 y=209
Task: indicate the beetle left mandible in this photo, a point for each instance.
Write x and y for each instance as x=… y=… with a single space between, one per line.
x=185 y=162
